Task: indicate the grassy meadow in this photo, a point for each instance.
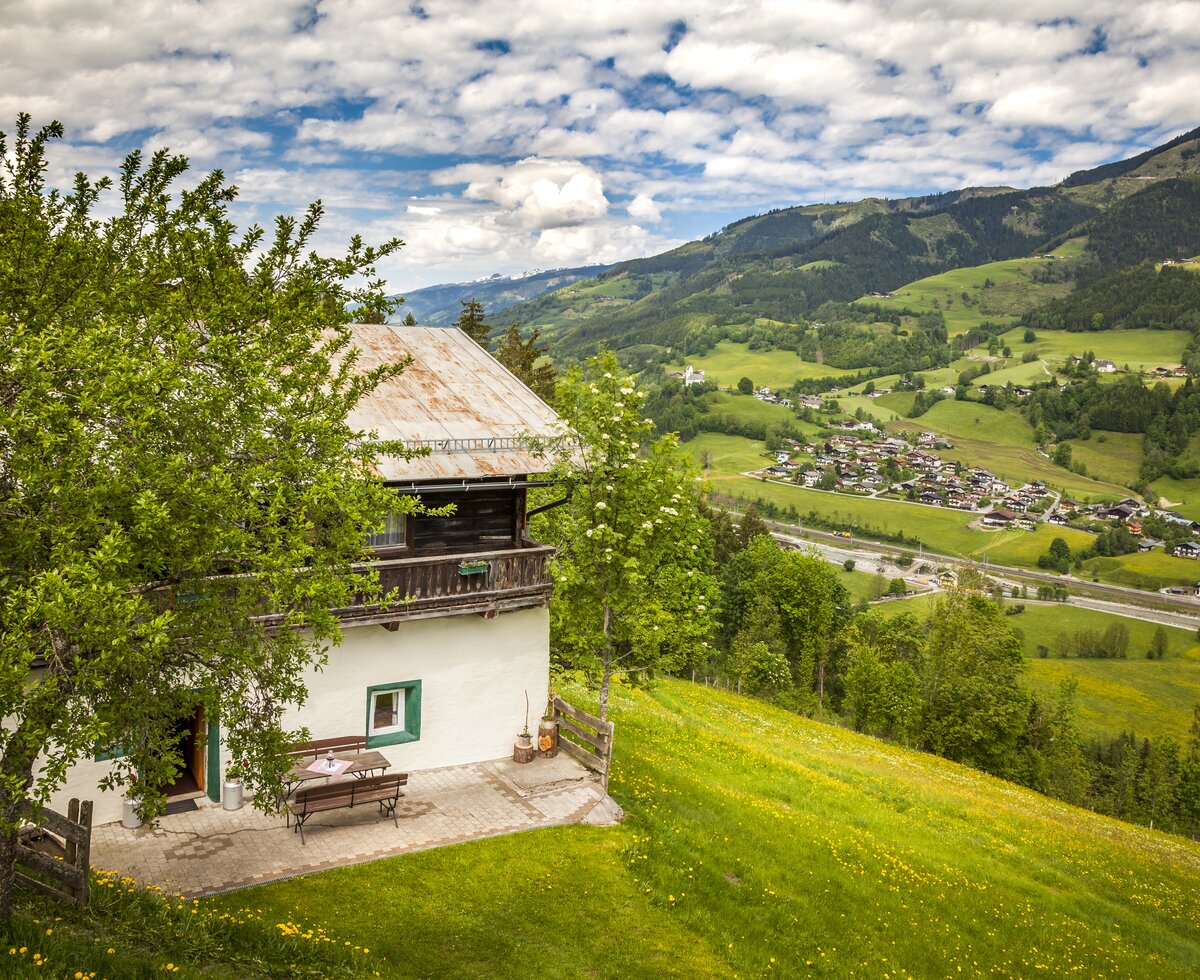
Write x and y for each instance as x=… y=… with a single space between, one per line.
x=1002 y=441
x=759 y=843
x=728 y=455
x=1142 y=350
x=995 y=291
x=729 y=362
x=938 y=528
x=1115 y=455
x=1183 y=495
x=1149 y=697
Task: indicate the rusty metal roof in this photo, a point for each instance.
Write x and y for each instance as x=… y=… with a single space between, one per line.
x=454 y=398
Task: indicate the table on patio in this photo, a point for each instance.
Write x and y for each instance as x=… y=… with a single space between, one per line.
x=361 y=764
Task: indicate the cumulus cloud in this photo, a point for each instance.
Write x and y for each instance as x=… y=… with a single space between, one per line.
x=496 y=137
x=535 y=194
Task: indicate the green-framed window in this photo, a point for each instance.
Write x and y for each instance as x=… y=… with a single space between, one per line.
x=393 y=713
x=103 y=754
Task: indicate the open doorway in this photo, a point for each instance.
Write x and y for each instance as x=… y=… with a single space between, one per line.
x=190 y=739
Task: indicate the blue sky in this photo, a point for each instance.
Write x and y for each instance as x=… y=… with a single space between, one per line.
x=507 y=136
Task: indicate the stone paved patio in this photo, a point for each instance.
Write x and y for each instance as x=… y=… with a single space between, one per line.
x=211 y=850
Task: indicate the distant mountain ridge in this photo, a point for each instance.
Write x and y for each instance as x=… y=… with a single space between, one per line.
x=441 y=304
x=784 y=265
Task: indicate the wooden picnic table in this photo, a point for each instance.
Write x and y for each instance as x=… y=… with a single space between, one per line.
x=362 y=764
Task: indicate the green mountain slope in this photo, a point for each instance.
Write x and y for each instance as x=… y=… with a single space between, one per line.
x=758 y=843
x=785 y=265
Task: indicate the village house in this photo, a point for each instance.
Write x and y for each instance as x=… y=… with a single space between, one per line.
x=1104 y=367
x=440 y=679
x=692 y=377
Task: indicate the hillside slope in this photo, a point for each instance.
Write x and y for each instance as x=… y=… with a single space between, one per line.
x=441 y=304
x=782 y=266
x=761 y=843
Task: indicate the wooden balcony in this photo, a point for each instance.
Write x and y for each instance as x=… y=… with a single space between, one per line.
x=487 y=583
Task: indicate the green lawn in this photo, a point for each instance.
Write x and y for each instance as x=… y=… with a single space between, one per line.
x=1149 y=570
x=759 y=843
x=1140 y=349
x=937 y=528
x=1184 y=495
x=749 y=407
x=1002 y=441
x=1147 y=697
x=1115 y=455
x=728 y=363
x=1010 y=293
x=728 y=455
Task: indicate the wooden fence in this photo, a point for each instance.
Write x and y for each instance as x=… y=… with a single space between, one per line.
x=68 y=871
x=590 y=739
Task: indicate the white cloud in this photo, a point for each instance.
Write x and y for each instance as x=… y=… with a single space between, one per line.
x=643 y=208
x=510 y=153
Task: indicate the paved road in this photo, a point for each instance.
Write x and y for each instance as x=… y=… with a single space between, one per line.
x=868 y=558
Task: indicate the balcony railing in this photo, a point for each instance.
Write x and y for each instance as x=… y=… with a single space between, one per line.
x=486 y=582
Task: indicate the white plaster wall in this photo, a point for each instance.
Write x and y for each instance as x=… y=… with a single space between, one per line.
x=474 y=673
x=82 y=782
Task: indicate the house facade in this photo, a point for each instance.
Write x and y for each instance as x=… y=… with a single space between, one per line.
x=441 y=678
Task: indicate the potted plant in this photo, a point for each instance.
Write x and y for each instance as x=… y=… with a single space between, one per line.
x=523 y=747
x=232 y=791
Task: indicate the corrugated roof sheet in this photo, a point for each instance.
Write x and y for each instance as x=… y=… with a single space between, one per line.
x=454 y=397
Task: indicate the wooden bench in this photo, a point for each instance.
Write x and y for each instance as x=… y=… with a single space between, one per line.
x=384 y=790
x=322 y=746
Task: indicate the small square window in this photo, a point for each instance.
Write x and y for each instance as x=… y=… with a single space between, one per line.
x=393 y=713
x=385 y=711
x=393 y=534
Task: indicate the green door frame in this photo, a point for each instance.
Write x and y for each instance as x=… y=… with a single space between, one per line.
x=213 y=780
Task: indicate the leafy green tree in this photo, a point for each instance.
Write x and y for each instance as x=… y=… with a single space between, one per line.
x=758 y=658
x=1062 y=455
x=750 y=526
x=974 y=708
x=745 y=386
x=409 y=319
x=807 y=595
x=1029 y=337
x=1158 y=644
x=528 y=361
x=173 y=405
x=472 y=322
x=634 y=585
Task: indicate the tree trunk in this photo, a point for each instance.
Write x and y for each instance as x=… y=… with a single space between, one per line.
x=606 y=666
x=16 y=775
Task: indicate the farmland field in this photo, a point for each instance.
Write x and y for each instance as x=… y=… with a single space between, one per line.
x=1114 y=455
x=937 y=528
x=759 y=843
x=1183 y=494
x=1148 y=570
x=1148 y=697
x=1142 y=350
x=728 y=454
x=750 y=408
x=727 y=363
x=966 y=297
x=1002 y=442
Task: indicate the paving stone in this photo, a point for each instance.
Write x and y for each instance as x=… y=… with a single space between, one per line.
x=213 y=850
